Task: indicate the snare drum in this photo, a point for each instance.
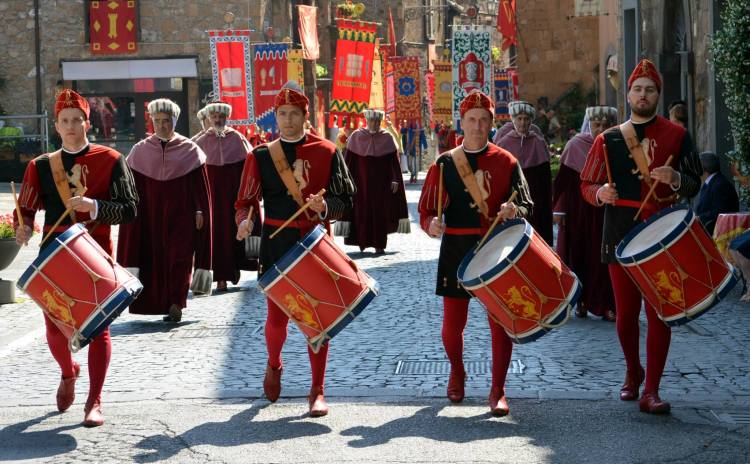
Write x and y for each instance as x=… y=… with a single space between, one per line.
x=521 y=282
x=676 y=265
x=318 y=287
x=79 y=286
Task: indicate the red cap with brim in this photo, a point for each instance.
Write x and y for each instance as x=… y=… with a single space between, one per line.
x=289 y=96
x=647 y=69
x=477 y=99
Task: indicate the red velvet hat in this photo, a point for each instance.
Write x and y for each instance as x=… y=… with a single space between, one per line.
x=69 y=99
x=477 y=99
x=288 y=96
x=645 y=68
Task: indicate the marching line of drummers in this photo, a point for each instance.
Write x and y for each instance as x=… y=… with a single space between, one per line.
x=475 y=199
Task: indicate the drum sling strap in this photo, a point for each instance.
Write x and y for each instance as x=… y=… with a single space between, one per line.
x=282 y=167
x=467 y=177
x=61 y=179
x=636 y=150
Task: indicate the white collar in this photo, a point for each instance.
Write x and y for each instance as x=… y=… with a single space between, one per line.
x=474 y=151
x=293 y=141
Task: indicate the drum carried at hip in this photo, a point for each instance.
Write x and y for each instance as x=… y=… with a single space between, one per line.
x=79 y=286
x=676 y=265
x=319 y=287
x=521 y=282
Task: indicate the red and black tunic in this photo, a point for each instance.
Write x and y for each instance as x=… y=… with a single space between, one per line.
x=317 y=164
x=104 y=174
x=499 y=173
x=664 y=139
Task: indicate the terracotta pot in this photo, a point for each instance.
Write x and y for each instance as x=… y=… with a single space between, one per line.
x=8 y=251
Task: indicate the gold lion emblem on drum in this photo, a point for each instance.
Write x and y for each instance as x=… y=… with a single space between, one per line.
x=58 y=306
x=301 y=310
x=668 y=286
x=521 y=302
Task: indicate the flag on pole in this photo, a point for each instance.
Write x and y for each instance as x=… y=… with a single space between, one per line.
x=308 y=31
x=391 y=33
x=506 y=22
x=231 y=65
x=406 y=79
x=270 y=65
x=377 y=100
x=472 y=64
x=442 y=106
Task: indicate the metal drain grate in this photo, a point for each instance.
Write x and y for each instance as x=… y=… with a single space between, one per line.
x=233 y=332
x=738 y=418
x=444 y=367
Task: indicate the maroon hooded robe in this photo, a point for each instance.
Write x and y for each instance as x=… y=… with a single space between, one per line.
x=579 y=239
x=373 y=162
x=172 y=183
x=225 y=158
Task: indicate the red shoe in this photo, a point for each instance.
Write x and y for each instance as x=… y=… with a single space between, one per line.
x=66 y=392
x=629 y=390
x=498 y=403
x=93 y=414
x=318 y=405
x=456 y=383
x=652 y=404
x=272 y=383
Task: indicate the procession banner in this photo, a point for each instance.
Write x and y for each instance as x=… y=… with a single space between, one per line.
x=429 y=84
x=352 y=76
x=588 y=8
x=231 y=64
x=390 y=91
x=377 y=100
x=308 y=31
x=503 y=94
x=506 y=22
x=270 y=66
x=442 y=105
x=406 y=78
x=112 y=27
x=295 y=70
x=472 y=64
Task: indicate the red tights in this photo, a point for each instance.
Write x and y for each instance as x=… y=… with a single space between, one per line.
x=100 y=351
x=276 y=332
x=455 y=313
x=628 y=303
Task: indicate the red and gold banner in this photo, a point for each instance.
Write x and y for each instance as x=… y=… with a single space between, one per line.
x=231 y=63
x=113 y=27
x=442 y=104
x=406 y=79
x=355 y=49
x=506 y=22
x=308 y=31
x=270 y=74
x=294 y=69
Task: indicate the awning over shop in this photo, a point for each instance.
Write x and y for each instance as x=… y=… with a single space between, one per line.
x=129 y=69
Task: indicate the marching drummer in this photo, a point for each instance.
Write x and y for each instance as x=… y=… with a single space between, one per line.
x=286 y=174
x=97 y=186
x=471 y=185
x=619 y=172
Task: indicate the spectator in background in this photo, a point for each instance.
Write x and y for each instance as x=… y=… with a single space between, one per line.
x=678 y=113
x=717 y=194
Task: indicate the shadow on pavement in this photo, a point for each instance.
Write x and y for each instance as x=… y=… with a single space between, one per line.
x=146 y=327
x=16 y=444
x=240 y=429
x=427 y=423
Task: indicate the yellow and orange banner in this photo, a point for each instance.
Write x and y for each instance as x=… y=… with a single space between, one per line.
x=442 y=103
x=294 y=71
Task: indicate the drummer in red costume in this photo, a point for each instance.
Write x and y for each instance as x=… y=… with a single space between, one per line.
x=100 y=192
x=653 y=140
x=316 y=165
x=497 y=174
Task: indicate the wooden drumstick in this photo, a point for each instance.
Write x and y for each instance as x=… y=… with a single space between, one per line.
x=440 y=195
x=606 y=164
x=18 y=207
x=62 y=216
x=650 y=192
x=294 y=216
x=494 y=223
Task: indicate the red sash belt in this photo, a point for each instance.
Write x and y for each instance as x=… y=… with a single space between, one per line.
x=299 y=224
x=648 y=210
x=464 y=231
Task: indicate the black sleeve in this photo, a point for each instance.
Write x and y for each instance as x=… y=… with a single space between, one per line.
x=689 y=168
x=122 y=205
x=523 y=200
x=340 y=193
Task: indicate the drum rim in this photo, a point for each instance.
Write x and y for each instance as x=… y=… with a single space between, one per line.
x=48 y=253
x=499 y=268
x=666 y=240
x=291 y=257
x=118 y=301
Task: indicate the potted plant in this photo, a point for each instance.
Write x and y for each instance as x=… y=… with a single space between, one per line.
x=8 y=246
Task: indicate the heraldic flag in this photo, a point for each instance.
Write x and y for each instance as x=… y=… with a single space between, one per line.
x=231 y=64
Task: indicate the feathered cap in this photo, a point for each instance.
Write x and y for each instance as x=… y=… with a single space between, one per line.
x=521 y=107
x=219 y=107
x=373 y=114
x=598 y=113
x=164 y=105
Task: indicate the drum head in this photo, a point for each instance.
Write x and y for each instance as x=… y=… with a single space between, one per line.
x=654 y=231
x=497 y=249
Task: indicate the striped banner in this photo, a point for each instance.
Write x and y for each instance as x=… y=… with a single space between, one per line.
x=472 y=64
x=406 y=79
x=442 y=102
x=270 y=66
x=377 y=99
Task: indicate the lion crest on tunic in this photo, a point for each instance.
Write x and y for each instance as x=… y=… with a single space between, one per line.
x=484 y=179
x=301 y=171
x=77 y=178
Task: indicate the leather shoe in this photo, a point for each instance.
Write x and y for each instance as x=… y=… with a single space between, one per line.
x=652 y=404
x=629 y=390
x=93 y=414
x=318 y=405
x=498 y=402
x=456 y=383
x=272 y=383
x=66 y=392
x=609 y=315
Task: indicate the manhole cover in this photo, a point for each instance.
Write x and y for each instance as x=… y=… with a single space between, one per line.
x=739 y=418
x=444 y=367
